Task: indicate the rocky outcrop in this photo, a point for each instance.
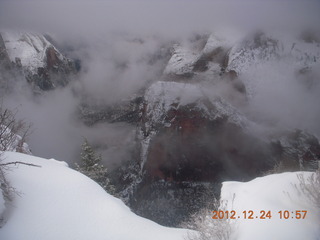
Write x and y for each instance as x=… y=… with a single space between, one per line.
x=4 y=57
x=193 y=130
x=125 y=111
x=297 y=150
x=180 y=63
x=258 y=48
x=191 y=60
x=43 y=66
x=188 y=135
x=191 y=135
x=188 y=138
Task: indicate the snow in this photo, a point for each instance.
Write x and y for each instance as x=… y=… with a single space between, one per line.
x=185 y=56
x=181 y=62
x=56 y=202
x=223 y=38
x=278 y=192
x=163 y=96
x=12 y=142
x=29 y=47
x=276 y=46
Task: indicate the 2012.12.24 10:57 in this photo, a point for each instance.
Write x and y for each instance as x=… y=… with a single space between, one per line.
x=250 y=214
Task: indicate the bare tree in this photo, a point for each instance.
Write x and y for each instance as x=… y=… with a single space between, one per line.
x=13 y=132
x=13 y=135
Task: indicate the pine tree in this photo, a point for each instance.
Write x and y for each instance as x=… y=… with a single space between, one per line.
x=91 y=166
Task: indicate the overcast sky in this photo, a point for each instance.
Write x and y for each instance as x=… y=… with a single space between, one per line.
x=76 y=18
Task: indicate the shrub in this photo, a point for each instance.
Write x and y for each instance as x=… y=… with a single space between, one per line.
x=208 y=228
x=91 y=166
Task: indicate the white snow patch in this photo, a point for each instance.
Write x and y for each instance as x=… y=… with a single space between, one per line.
x=59 y=203
x=181 y=61
x=271 y=193
x=29 y=47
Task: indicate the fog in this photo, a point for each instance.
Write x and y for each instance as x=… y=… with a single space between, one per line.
x=87 y=19
x=283 y=98
x=120 y=46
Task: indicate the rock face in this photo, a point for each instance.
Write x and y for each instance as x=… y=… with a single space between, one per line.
x=258 y=48
x=43 y=66
x=4 y=58
x=188 y=135
x=297 y=150
x=193 y=136
x=124 y=111
x=194 y=129
x=189 y=139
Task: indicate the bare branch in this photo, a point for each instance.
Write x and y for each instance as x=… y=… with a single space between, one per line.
x=18 y=162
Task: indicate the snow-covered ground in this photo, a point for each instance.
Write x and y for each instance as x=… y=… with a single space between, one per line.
x=274 y=193
x=55 y=202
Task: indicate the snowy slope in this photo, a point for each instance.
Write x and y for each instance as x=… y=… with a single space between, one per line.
x=221 y=38
x=259 y=48
x=181 y=61
x=273 y=193
x=56 y=202
x=30 y=48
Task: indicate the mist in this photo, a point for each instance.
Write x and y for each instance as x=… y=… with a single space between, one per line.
x=282 y=98
x=122 y=48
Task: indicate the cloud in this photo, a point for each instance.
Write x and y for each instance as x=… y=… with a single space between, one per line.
x=122 y=46
x=91 y=18
x=284 y=98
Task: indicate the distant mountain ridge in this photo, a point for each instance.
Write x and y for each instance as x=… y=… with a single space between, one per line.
x=193 y=127
x=40 y=62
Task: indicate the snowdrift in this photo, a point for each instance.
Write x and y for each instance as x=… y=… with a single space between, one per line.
x=274 y=193
x=56 y=202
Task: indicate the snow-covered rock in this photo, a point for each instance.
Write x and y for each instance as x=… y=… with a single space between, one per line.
x=274 y=193
x=182 y=107
x=254 y=49
x=56 y=202
x=200 y=123
x=297 y=150
x=188 y=136
x=30 y=48
x=259 y=48
x=161 y=97
x=213 y=57
x=181 y=62
x=42 y=63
